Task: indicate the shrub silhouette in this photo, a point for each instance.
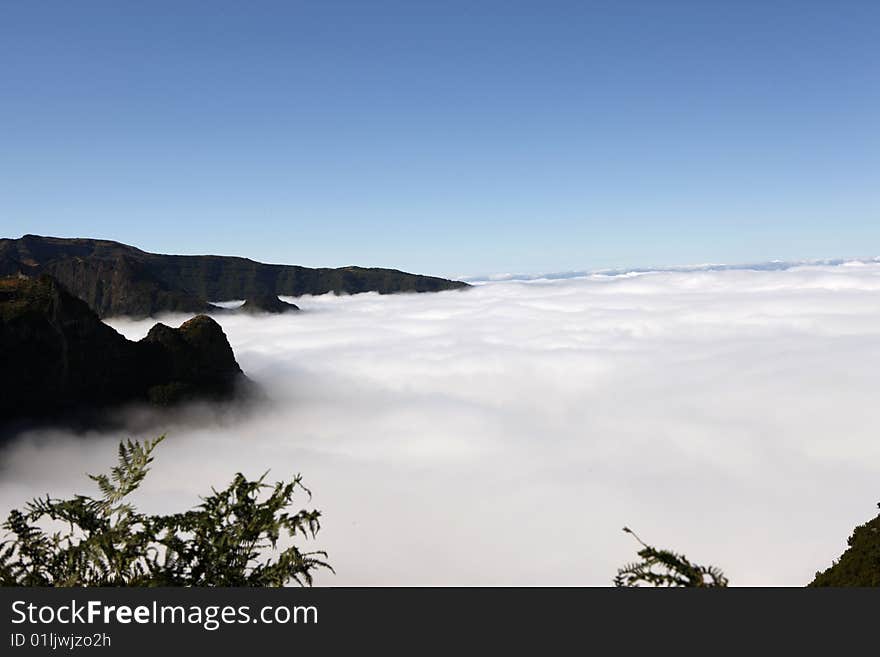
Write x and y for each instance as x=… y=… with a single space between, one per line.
x=666 y=568
x=230 y=539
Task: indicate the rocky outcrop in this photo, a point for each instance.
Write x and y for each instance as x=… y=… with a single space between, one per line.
x=57 y=356
x=267 y=303
x=117 y=279
x=191 y=361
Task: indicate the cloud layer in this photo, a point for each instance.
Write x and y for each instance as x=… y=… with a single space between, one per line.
x=505 y=434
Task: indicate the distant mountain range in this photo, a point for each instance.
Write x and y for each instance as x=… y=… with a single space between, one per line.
x=118 y=279
x=770 y=265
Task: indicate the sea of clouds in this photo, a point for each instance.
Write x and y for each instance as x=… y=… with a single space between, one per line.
x=504 y=434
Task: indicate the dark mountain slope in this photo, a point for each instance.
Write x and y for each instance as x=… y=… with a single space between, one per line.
x=117 y=279
x=57 y=357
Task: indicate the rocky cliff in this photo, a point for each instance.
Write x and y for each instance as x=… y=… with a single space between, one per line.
x=117 y=279
x=57 y=356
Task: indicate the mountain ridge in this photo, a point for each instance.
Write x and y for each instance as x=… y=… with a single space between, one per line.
x=119 y=279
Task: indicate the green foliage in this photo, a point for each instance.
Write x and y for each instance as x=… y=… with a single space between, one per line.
x=859 y=565
x=666 y=568
x=231 y=539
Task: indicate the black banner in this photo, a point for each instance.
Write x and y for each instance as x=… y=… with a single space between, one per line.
x=413 y=620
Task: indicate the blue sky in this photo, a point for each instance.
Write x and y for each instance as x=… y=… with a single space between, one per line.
x=446 y=137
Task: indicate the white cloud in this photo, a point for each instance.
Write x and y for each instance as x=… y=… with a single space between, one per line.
x=505 y=434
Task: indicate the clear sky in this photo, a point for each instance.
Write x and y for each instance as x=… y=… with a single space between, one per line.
x=446 y=137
